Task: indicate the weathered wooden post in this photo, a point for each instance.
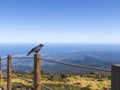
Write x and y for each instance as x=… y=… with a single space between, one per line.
x=9 y=71
x=37 y=71
x=0 y=71
x=115 y=82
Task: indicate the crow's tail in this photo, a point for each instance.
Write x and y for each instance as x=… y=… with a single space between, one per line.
x=29 y=53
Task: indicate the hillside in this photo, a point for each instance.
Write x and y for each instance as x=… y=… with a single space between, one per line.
x=91 y=81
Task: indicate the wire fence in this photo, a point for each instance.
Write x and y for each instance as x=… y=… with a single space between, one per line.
x=58 y=62
x=44 y=86
x=3 y=58
x=75 y=65
x=23 y=57
x=18 y=57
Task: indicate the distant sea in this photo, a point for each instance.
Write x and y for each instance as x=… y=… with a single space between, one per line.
x=95 y=55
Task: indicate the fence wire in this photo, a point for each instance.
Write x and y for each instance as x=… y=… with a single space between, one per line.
x=75 y=65
x=18 y=57
x=44 y=86
x=58 y=62
x=3 y=58
x=64 y=63
x=22 y=57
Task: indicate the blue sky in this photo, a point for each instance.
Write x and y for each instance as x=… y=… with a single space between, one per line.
x=60 y=21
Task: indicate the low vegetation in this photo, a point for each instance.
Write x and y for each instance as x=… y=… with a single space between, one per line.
x=91 y=81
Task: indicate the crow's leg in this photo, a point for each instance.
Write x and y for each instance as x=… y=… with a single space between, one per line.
x=36 y=52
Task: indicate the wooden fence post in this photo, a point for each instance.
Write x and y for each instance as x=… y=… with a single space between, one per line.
x=0 y=71
x=115 y=82
x=9 y=71
x=37 y=72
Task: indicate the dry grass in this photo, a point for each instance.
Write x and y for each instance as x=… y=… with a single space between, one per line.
x=93 y=82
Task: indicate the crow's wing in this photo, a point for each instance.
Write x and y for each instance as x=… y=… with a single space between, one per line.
x=35 y=49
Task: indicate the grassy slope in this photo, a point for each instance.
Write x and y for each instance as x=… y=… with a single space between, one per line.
x=71 y=82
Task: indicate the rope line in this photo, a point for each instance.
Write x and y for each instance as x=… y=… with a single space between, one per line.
x=22 y=57
x=58 y=62
x=75 y=65
x=18 y=57
x=4 y=58
x=45 y=87
x=64 y=63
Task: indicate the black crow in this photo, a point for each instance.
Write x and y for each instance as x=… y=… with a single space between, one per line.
x=35 y=49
